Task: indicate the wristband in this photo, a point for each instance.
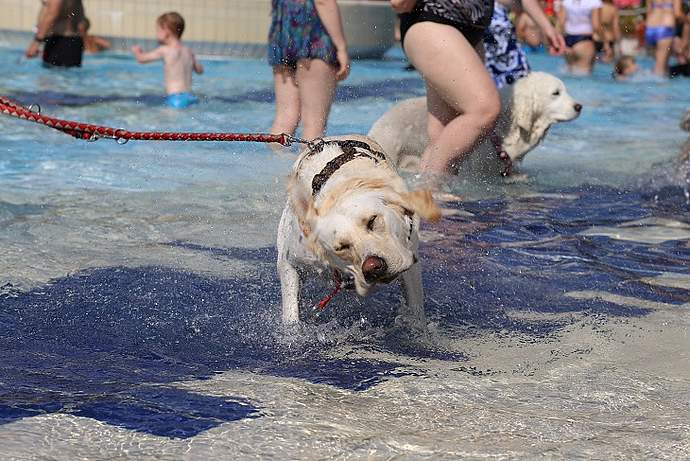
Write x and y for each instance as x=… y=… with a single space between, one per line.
x=39 y=40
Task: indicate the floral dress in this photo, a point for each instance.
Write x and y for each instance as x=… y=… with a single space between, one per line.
x=504 y=58
x=298 y=33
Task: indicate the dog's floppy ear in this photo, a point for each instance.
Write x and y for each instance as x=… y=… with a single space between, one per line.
x=302 y=203
x=524 y=106
x=528 y=116
x=422 y=203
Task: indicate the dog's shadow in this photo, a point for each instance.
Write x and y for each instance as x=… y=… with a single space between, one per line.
x=105 y=342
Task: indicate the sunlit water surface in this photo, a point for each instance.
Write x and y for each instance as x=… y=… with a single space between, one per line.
x=139 y=300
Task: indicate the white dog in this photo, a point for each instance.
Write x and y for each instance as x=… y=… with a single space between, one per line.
x=350 y=214
x=529 y=107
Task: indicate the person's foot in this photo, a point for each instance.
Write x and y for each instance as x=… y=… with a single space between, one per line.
x=438 y=184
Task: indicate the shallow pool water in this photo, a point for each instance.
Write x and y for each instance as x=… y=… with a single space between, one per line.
x=139 y=300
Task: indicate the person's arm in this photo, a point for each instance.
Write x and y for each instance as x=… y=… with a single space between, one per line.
x=561 y=16
x=403 y=6
x=685 y=36
x=101 y=43
x=329 y=13
x=617 y=35
x=50 y=12
x=46 y=18
x=150 y=56
x=678 y=11
x=596 y=22
x=555 y=39
x=521 y=28
x=198 y=68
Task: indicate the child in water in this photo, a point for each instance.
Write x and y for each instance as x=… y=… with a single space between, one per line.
x=625 y=67
x=179 y=61
x=92 y=43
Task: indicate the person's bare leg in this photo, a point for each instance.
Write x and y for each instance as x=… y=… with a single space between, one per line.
x=662 y=55
x=316 y=81
x=459 y=84
x=439 y=114
x=570 y=58
x=287 y=101
x=585 y=53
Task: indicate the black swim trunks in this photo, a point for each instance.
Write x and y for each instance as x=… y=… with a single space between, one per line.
x=470 y=17
x=61 y=51
x=679 y=70
x=599 y=46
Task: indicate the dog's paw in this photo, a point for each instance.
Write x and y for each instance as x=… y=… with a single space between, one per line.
x=455 y=212
x=428 y=236
x=446 y=197
x=517 y=178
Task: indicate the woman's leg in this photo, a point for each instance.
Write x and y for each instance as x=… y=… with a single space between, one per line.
x=316 y=81
x=585 y=53
x=662 y=55
x=287 y=101
x=462 y=99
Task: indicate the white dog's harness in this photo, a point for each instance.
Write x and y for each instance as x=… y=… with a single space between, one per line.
x=350 y=152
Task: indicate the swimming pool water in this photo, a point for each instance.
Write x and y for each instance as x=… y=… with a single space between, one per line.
x=139 y=300
x=625 y=128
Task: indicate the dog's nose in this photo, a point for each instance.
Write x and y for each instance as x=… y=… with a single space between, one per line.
x=374 y=268
x=577 y=107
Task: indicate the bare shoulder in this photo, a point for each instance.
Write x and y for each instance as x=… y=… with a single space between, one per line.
x=165 y=50
x=186 y=51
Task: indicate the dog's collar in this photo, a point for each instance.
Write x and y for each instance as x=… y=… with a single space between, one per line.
x=350 y=152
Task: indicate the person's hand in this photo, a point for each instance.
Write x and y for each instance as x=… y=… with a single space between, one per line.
x=33 y=49
x=403 y=6
x=556 y=42
x=343 y=63
x=137 y=49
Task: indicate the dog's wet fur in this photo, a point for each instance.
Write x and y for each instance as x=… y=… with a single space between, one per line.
x=362 y=224
x=529 y=108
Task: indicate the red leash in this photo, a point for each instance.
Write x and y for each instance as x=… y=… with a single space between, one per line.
x=91 y=132
x=327 y=299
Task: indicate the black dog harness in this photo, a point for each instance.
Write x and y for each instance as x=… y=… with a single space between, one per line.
x=350 y=152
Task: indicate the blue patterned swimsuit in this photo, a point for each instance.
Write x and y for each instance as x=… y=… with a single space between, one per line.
x=504 y=58
x=298 y=33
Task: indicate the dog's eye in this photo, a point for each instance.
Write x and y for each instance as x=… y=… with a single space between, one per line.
x=342 y=247
x=372 y=221
x=556 y=93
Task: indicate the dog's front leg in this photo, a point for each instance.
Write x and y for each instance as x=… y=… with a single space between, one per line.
x=289 y=277
x=289 y=288
x=412 y=311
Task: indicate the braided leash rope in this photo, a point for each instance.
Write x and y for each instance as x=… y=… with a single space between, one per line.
x=92 y=132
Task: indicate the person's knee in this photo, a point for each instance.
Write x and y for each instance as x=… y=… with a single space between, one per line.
x=486 y=112
x=433 y=130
